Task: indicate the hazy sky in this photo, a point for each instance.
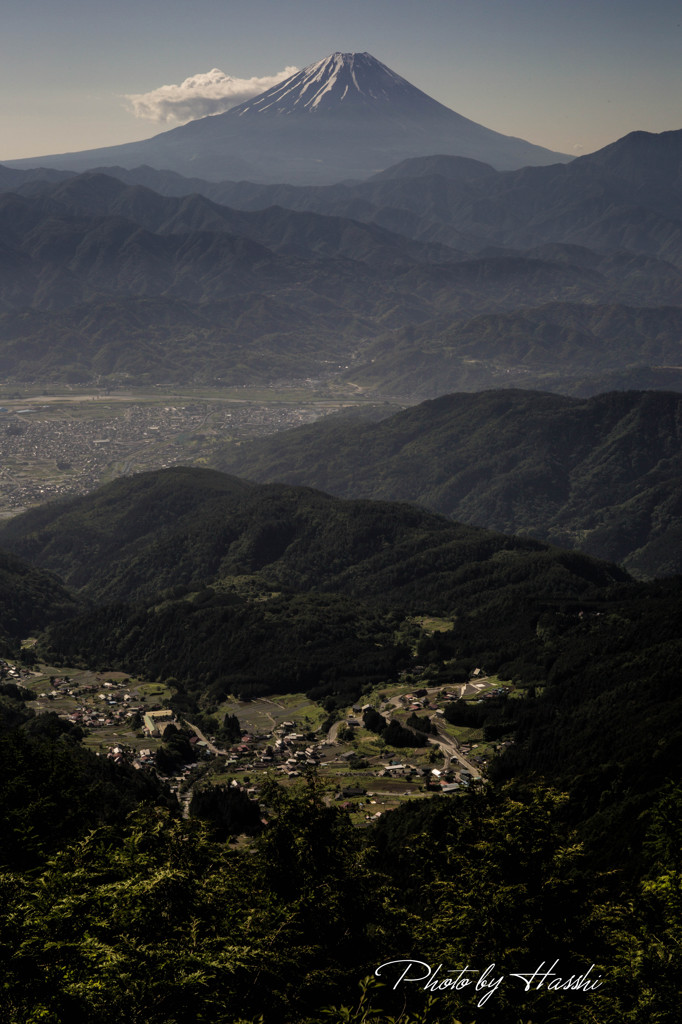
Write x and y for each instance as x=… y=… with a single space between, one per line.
x=572 y=75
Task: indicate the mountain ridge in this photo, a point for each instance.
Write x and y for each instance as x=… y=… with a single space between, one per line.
x=268 y=138
x=138 y=535
x=468 y=291
x=600 y=475
x=469 y=204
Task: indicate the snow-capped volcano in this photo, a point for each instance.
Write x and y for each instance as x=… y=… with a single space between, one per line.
x=338 y=83
x=366 y=118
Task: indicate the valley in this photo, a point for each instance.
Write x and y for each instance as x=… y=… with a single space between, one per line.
x=340 y=567
x=284 y=735
x=293 y=794
x=55 y=443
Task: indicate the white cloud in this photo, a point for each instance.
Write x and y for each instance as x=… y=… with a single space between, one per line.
x=209 y=92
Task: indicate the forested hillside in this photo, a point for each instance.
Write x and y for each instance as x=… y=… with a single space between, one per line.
x=30 y=599
x=180 y=527
x=569 y=853
x=601 y=475
x=174 y=559
x=188 y=922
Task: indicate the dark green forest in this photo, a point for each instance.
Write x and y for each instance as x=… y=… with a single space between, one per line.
x=154 y=918
x=117 y=907
x=29 y=599
x=601 y=474
x=230 y=587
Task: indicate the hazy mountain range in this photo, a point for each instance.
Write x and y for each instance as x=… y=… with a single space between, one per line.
x=346 y=116
x=627 y=195
x=452 y=268
x=440 y=273
x=103 y=278
x=602 y=475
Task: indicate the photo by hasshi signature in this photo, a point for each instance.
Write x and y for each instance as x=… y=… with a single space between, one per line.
x=485 y=982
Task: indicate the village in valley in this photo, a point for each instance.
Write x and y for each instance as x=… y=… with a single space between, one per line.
x=53 y=445
x=287 y=737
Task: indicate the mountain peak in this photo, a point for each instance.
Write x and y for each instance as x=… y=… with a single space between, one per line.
x=337 y=83
x=346 y=116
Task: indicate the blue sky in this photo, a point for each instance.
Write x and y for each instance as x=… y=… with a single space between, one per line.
x=568 y=74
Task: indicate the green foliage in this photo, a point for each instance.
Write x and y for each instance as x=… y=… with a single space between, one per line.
x=175 y=751
x=396 y=735
x=466 y=713
x=52 y=790
x=613 y=684
x=228 y=809
x=342 y=571
x=16 y=692
x=155 y=919
x=138 y=537
x=372 y=720
x=321 y=644
x=600 y=474
x=424 y=725
x=230 y=731
x=29 y=599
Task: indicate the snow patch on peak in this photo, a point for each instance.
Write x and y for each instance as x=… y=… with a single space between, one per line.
x=359 y=79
